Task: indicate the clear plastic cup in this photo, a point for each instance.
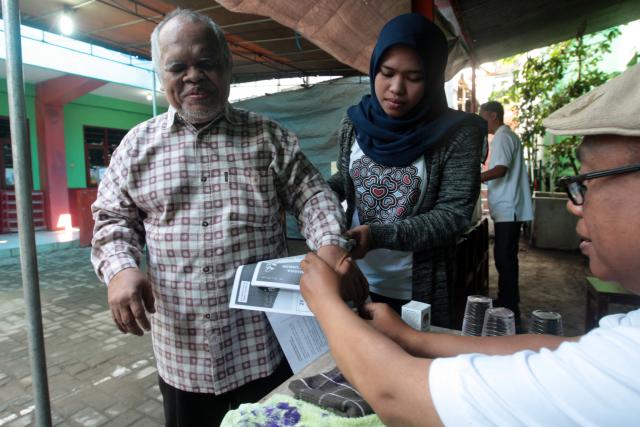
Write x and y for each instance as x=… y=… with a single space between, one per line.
x=546 y=322
x=499 y=321
x=474 y=312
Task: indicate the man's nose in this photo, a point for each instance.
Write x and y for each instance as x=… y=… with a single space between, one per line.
x=575 y=210
x=193 y=74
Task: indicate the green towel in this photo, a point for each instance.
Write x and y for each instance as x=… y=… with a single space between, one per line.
x=282 y=410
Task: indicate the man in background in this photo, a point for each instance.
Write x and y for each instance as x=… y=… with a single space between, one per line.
x=509 y=203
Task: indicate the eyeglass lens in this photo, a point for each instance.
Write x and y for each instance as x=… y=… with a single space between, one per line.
x=576 y=192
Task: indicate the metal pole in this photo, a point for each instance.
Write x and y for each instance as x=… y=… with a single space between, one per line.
x=154 y=105
x=23 y=184
x=474 y=107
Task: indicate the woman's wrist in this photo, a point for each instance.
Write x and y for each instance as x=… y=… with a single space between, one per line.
x=416 y=343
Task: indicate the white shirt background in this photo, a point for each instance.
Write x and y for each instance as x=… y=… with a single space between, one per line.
x=509 y=196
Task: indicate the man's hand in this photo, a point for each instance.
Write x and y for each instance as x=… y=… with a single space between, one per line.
x=362 y=236
x=386 y=320
x=129 y=293
x=354 y=286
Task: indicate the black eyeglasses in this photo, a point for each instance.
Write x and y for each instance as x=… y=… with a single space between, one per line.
x=575 y=188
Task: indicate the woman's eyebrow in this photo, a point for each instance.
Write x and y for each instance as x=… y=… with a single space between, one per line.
x=388 y=68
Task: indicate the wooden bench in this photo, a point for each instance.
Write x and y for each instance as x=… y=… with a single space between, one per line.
x=469 y=271
x=599 y=295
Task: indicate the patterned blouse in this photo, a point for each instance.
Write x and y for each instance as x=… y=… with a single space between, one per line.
x=206 y=201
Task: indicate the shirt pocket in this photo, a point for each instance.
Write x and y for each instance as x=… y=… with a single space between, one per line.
x=253 y=197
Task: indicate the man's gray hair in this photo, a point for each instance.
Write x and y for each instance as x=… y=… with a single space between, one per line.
x=193 y=17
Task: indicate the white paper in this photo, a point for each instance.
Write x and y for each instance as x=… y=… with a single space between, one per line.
x=300 y=337
x=248 y=297
x=282 y=273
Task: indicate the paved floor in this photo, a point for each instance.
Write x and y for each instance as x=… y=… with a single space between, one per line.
x=99 y=377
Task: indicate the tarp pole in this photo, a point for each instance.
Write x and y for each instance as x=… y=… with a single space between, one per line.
x=474 y=106
x=23 y=185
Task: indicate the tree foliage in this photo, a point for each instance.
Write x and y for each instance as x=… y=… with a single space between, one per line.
x=548 y=80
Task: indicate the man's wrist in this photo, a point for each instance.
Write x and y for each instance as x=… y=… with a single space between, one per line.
x=112 y=269
x=332 y=254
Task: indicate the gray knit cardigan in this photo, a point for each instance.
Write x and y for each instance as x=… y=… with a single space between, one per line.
x=453 y=185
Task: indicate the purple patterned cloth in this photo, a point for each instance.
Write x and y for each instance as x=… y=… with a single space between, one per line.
x=206 y=201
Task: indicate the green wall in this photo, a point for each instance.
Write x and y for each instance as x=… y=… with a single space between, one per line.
x=93 y=110
x=30 y=106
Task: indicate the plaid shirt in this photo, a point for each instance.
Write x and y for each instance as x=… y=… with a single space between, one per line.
x=205 y=202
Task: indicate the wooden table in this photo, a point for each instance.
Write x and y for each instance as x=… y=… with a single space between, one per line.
x=599 y=295
x=325 y=363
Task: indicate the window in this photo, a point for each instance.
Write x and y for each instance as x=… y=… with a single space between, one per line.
x=7 y=177
x=100 y=143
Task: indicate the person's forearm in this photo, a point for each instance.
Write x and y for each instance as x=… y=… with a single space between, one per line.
x=433 y=345
x=367 y=350
x=493 y=173
x=379 y=369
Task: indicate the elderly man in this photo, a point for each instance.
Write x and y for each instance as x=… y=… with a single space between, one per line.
x=203 y=186
x=413 y=378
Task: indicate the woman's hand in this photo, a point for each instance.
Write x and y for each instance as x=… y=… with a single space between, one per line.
x=354 y=286
x=362 y=236
x=386 y=320
x=321 y=283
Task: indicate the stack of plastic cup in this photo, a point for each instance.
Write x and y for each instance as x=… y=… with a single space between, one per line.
x=499 y=321
x=474 y=312
x=546 y=322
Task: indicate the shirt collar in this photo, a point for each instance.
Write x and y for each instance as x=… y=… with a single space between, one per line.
x=227 y=114
x=501 y=128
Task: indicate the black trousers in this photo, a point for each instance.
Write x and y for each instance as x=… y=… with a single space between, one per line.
x=188 y=409
x=505 y=253
x=395 y=304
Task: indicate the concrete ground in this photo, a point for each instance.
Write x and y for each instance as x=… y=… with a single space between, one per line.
x=99 y=377
x=550 y=280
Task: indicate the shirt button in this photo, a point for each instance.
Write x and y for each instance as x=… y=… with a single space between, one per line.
x=203 y=179
x=205 y=223
x=208 y=316
x=206 y=269
x=219 y=251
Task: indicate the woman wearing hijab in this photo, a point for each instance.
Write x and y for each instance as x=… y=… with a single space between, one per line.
x=409 y=168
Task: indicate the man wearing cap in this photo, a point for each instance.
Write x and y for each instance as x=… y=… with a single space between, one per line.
x=415 y=378
x=509 y=203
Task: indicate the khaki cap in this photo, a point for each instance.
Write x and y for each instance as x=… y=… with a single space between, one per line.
x=612 y=108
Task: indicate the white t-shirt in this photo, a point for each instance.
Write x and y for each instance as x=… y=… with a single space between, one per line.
x=593 y=382
x=385 y=195
x=509 y=196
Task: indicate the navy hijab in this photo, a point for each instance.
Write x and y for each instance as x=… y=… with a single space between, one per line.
x=400 y=141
